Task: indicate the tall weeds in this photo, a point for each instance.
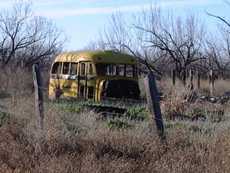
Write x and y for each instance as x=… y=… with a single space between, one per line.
x=80 y=141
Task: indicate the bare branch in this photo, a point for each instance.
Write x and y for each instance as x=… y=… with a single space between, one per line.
x=219 y=18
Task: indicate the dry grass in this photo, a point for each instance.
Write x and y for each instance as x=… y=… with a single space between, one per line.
x=220 y=86
x=73 y=142
x=82 y=142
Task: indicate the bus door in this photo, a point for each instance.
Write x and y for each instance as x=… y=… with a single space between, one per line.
x=85 y=80
x=82 y=80
x=69 y=76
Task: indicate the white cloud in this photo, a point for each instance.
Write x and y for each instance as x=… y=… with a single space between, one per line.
x=8 y=3
x=52 y=6
x=90 y=11
x=126 y=8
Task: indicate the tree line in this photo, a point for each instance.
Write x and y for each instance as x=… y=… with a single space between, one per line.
x=169 y=42
x=27 y=39
x=165 y=42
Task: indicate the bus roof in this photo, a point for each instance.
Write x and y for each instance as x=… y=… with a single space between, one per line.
x=97 y=57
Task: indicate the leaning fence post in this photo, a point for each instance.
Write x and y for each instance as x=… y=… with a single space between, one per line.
x=39 y=107
x=191 y=80
x=198 y=80
x=184 y=76
x=211 y=82
x=153 y=100
x=174 y=77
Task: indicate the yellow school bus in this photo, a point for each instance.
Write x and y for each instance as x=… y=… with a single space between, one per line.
x=94 y=75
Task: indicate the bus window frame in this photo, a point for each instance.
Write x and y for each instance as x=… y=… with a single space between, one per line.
x=130 y=74
x=71 y=68
x=68 y=70
x=117 y=70
x=90 y=68
x=84 y=77
x=80 y=68
x=120 y=70
x=59 y=68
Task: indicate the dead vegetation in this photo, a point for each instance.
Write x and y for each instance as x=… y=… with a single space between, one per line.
x=98 y=149
x=76 y=140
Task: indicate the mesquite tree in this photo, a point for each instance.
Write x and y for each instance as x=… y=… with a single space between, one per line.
x=181 y=40
x=26 y=39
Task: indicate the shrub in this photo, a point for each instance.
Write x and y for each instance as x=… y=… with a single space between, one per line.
x=118 y=124
x=4 y=117
x=137 y=113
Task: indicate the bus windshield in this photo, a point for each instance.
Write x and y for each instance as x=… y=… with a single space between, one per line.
x=124 y=70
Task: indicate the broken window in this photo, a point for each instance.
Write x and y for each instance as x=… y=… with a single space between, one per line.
x=116 y=70
x=111 y=70
x=65 y=69
x=73 y=68
x=82 y=69
x=101 y=69
x=120 y=70
x=129 y=70
x=135 y=71
x=90 y=69
x=56 y=68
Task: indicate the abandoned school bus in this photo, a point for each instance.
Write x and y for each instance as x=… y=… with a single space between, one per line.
x=95 y=75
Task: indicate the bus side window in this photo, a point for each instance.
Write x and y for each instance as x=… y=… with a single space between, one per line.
x=82 y=70
x=111 y=70
x=135 y=71
x=65 y=69
x=120 y=70
x=90 y=69
x=56 y=69
x=129 y=70
x=101 y=69
x=73 y=68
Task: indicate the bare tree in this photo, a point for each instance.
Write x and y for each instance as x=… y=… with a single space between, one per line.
x=179 y=40
x=122 y=36
x=26 y=39
x=218 y=56
x=221 y=54
x=157 y=40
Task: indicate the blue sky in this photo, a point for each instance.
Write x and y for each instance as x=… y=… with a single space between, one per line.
x=81 y=20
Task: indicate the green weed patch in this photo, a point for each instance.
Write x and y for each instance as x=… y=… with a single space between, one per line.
x=4 y=117
x=118 y=124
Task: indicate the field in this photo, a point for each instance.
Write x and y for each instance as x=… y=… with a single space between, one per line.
x=76 y=139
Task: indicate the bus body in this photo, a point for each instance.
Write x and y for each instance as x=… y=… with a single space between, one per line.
x=94 y=75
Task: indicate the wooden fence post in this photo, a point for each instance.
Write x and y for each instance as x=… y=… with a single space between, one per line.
x=173 y=77
x=153 y=100
x=198 y=80
x=191 y=80
x=184 y=76
x=211 y=82
x=39 y=107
